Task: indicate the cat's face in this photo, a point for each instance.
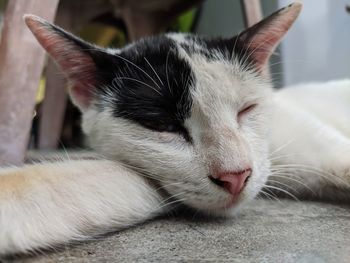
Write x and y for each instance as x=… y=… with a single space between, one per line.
x=183 y=112
x=190 y=113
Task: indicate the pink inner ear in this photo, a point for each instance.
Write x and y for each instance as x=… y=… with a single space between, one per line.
x=81 y=95
x=261 y=48
x=79 y=68
x=262 y=39
x=75 y=63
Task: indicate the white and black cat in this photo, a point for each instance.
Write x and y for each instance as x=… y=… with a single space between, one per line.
x=179 y=119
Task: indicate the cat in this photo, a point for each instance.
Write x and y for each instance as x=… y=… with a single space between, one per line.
x=178 y=119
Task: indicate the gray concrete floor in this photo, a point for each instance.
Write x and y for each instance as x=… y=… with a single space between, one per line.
x=266 y=231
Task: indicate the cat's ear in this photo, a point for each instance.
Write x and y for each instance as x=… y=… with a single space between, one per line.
x=260 y=40
x=76 y=58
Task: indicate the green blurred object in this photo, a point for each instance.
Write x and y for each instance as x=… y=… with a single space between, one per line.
x=184 y=23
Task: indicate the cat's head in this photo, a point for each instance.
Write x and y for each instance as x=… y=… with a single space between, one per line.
x=190 y=112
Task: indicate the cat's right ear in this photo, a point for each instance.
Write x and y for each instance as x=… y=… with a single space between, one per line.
x=259 y=41
x=76 y=58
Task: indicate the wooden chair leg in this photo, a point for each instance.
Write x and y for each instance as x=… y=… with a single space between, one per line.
x=252 y=12
x=53 y=108
x=21 y=63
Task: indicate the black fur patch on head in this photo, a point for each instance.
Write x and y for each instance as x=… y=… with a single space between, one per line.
x=150 y=84
x=230 y=48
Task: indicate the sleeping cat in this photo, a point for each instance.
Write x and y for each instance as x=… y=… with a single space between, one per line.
x=179 y=119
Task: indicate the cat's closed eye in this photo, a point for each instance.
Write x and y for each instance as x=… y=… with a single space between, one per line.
x=245 y=110
x=172 y=128
x=168 y=128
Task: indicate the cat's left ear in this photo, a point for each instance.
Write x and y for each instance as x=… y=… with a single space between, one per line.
x=260 y=40
x=84 y=64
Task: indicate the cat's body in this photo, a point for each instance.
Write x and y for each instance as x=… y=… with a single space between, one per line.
x=181 y=119
x=310 y=139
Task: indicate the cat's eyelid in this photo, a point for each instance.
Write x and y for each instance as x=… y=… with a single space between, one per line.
x=246 y=109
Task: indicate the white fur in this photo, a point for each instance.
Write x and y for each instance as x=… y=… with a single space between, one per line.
x=51 y=204
x=310 y=138
x=178 y=37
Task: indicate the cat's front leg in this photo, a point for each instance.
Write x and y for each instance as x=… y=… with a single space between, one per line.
x=45 y=205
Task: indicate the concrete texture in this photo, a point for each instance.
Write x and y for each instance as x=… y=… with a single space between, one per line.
x=266 y=231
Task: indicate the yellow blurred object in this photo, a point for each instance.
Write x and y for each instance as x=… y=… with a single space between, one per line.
x=102 y=35
x=106 y=36
x=41 y=91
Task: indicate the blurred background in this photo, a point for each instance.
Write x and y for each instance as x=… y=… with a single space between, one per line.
x=316 y=49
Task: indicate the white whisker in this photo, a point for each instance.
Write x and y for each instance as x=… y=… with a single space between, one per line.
x=144 y=72
x=282 y=190
x=154 y=71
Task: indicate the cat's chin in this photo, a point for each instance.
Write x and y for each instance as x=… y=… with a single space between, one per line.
x=231 y=205
x=231 y=208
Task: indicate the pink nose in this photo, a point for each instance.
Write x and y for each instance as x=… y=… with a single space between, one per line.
x=234 y=181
